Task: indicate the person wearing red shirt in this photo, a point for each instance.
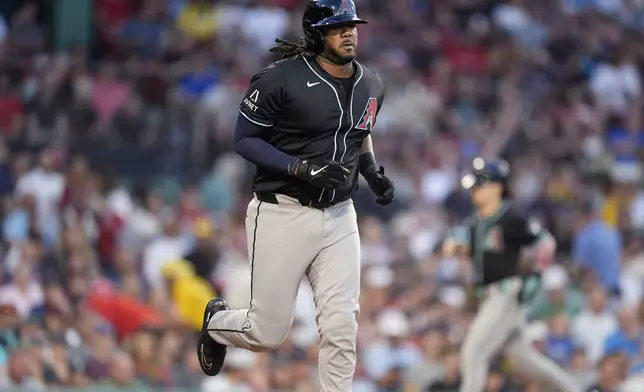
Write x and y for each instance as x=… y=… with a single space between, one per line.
x=111 y=14
x=465 y=54
x=11 y=107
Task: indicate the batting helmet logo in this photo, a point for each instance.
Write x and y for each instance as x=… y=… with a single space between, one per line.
x=345 y=8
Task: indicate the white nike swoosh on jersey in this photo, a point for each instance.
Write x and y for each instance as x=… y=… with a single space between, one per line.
x=316 y=172
x=309 y=84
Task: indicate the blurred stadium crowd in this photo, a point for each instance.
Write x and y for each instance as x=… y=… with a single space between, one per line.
x=123 y=206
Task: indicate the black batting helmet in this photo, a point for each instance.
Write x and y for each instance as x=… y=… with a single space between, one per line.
x=323 y=13
x=485 y=172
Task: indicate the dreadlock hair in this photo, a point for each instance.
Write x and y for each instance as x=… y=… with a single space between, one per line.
x=288 y=49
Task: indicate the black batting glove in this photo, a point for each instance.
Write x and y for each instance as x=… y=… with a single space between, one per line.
x=380 y=184
x=321 y=173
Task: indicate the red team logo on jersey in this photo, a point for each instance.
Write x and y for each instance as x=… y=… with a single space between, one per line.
x=368 y=118
x=494 y=239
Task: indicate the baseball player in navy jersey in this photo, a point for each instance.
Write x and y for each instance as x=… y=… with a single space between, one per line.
x=494 y=238
x=305 y=122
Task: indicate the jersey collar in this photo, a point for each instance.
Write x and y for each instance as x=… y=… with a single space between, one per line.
x=313 y=62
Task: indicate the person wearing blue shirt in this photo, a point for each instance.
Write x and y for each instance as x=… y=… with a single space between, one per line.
x=627 y=338
x=597 y=248
x=200 y=80
x=560 y=348
x=144 y=33
x=15 y=226
x=624 y=143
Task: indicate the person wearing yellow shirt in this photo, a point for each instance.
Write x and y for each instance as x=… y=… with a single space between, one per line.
x=557 y=189
x=615 y=199
x=610 y=210
x=198 y=20
x=189 y=292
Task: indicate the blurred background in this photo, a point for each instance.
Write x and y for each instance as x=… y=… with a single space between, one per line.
x=123 y=206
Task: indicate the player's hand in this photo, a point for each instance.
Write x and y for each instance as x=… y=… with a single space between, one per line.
x=323 y=173
x=382 y=186
x=449 y=247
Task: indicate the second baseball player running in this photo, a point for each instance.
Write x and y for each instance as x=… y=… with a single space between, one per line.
x=494 y=237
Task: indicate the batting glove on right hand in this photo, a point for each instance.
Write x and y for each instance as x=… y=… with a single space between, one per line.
x=323 y=174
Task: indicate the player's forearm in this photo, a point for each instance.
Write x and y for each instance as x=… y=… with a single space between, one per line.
x=250 y=145
x=367 y=160
x=367 y=145
x=544 y=250
x=261 y=153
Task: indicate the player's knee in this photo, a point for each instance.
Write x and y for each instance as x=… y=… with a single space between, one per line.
x=339 y=327
x=265 y=338
x=268 y=344
x=273 y=340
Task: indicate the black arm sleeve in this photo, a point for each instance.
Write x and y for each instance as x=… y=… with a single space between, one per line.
x=250 y=143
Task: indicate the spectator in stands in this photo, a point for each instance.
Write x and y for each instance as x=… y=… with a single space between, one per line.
x=26 y=35
x=609 y=376
x=198 y=20
x=594 y=324
x=24 y=293
x=557 y=296
x=205 y=254
x=109 y=93
x=187 y=291
x=627 y=338
x=615 y=82
x=122 y=373
x=199 y=80
x=559 y=344
x=450 y=381
x=597 y=249
x=581 y=369
x=431 y=368
x=390 y=351
x=144 y=32
x=171 y=246
x=11 y=107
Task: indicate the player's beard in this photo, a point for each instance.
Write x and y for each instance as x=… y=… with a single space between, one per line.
x=335 y=57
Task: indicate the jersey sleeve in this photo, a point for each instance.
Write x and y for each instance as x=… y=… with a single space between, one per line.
x=381 y=96
x=525 y=231
x=263 y=99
